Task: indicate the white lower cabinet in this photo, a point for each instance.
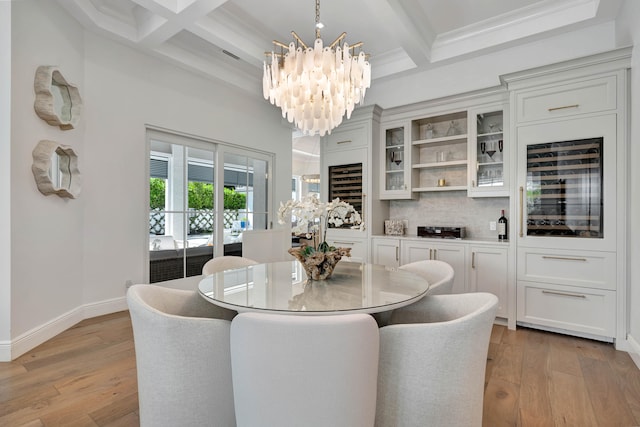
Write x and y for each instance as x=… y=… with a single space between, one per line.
x=572 y=291
x=478 y=267
x=488 y=273
x=569 y=308
x=358 y=245
x=386 y=251
x=452 y=253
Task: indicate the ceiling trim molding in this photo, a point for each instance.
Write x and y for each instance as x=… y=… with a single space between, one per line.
x=527 y=21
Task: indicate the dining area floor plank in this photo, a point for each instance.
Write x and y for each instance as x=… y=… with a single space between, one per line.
x=86 y=376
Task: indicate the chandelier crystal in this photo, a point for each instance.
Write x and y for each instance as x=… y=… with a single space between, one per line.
x=315 y=86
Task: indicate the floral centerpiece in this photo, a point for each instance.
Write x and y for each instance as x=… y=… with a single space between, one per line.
x=312 y=218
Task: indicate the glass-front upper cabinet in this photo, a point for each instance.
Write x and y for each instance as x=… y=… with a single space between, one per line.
x=488 y=152
x=395 y=162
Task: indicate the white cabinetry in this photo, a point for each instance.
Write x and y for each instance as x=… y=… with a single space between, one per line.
x=478 y=266
x=488 y=151
x=395 y=162
x=437 y=140
x=451 y=253
x=570 y=187
x=386 y=251
x=488 y=273
x=353 y=149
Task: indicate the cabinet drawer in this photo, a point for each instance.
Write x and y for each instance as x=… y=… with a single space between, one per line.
x=347 y=138
x=571 y=268
x=588 y=311
x=586 y=96
x=358 y=248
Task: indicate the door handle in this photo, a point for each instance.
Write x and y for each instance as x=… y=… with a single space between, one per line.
x=473 y=260
x=521 y=208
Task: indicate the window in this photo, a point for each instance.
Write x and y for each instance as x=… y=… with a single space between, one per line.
x=197 y=211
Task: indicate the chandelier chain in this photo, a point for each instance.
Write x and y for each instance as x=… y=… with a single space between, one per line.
x=317 y=19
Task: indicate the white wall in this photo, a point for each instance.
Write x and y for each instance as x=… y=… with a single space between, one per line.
x=5 y=179
x=46 y=245
x=70 y=258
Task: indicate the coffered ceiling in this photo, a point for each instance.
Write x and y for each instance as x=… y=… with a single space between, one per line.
x=226 y=39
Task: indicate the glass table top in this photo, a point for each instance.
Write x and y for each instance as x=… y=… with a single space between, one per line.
x=283 y=287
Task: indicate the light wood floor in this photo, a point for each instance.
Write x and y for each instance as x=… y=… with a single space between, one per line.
x=86 y=376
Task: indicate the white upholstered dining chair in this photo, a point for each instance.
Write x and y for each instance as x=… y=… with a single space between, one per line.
x=307 y=371
x=433 y=361
x=226 y=262
x=439 y=274
x=183 y=358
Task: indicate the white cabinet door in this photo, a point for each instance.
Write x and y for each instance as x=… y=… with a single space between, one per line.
x=488 y=151
x=452 y=254
x=488 y=273
x=386 y=252
x=395 y=162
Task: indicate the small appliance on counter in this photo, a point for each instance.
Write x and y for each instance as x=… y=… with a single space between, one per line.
x=441 y=232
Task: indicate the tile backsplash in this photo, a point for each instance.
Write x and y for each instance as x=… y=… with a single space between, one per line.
x=451 y=208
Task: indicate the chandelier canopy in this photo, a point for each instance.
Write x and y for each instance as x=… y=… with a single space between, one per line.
x=316 y=86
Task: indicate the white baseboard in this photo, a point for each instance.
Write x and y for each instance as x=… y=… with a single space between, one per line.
x=634 y=350
x=36 y=336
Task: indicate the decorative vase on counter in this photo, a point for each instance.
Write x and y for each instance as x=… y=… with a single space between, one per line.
x=319 y=265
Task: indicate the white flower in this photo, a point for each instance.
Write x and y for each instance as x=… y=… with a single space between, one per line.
x=309 y=215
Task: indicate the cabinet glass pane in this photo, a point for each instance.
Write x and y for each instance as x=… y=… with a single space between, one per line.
x=564 y=189
x=490 y=150
x=394 y=159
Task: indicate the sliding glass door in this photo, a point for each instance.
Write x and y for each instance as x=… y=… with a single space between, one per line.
x=198 y=209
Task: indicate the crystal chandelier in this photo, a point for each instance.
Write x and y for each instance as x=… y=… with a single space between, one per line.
x=316 y=86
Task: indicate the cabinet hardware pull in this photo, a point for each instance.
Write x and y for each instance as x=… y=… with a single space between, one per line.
x=397 y=259
x=337 y=242
x=435 y=254
x=563 y=258
x=521 y=201
x=564 y=294
x=430 y=253
x=473 y=260
x=564 y=108
x=346 y=141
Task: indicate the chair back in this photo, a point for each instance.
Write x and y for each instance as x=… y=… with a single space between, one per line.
x=439 y=274
x=432 y=364
x=182 y=357
x=226 y=262
x=293 y=370
x=267 y=245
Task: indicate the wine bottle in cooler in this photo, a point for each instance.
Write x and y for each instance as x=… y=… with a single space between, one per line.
x=502 y=226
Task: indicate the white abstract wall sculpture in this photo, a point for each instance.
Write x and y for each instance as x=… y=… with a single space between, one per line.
x=57 y=101
x=55 y=169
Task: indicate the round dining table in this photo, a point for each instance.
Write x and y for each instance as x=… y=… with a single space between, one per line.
x=283 y=287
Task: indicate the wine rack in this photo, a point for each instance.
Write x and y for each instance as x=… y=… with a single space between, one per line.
x=564 y=189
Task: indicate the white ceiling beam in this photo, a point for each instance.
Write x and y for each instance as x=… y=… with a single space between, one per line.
x=154 y=32
x=409 y=21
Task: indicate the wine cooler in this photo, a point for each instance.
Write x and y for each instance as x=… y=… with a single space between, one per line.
x=564 y=189
x=345 y=183
x=567 y=184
